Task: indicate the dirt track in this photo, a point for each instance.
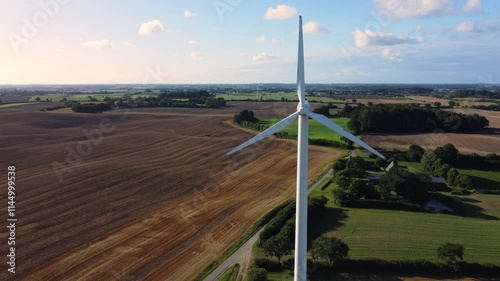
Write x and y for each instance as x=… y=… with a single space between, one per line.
x=155 y=199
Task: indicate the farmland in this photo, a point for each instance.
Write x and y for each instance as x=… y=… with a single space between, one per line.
x=401 y=235
x=316 y=130
x=483 y=142
x=111 y=216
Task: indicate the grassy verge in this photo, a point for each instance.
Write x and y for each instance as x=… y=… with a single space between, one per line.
x=7 y=105
x=231 y=274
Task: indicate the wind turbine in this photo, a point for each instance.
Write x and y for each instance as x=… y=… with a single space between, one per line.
x=303 y=113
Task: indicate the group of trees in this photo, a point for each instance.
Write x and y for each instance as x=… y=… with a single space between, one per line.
x=440 y=163
x=245 y=116
x=398 y=184
x=162 y=101
x=493 y=107
x=91 y=107
x=277 y=238
x=394 y=118
x=351 y=182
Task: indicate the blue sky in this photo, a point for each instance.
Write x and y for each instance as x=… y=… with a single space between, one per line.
x=243 y=41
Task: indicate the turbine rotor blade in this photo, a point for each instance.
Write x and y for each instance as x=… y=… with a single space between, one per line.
x=301 y=87
x=331 y=125
x=271 y=130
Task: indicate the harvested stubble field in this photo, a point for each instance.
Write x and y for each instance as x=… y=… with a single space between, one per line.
x=155 y=199
x=482 y=142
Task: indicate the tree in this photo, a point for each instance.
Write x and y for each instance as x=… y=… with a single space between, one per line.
x=431 y=162
x=324 y=110
x=451 y=253
x=452 y=103
x=381 y=163
x=37 y=99
x=462 y=181
x=348 y=143
x=339 y=165
x=447 y=153
x=415 y=153
x=356 y=163
x=245 y=115
x=256 y=274
x=277 y=246
x=329 y=248
x=437 y=104
x=451 y=175
x=358 y=188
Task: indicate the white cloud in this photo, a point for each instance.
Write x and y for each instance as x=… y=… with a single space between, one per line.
x=57 y=49
x=277 y=40
x=369 y=38
x=98 y=44
x=401 y=9
x=261 y=39
x=196 y=55
x=313 y=27
x=128 y=44
x=151 y=27
x=192 y=42
x=243 y=54
x=388 y=54
x=189 y=14
x=465 y=27
x=264 y=57
x=281 y=12
x=473 y=6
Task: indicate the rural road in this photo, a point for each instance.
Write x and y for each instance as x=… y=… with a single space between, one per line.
x=248 y=245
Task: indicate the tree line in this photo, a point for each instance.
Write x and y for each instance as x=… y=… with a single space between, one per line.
x=394 y=118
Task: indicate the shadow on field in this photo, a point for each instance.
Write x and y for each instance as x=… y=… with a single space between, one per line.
x=354 y=277
x=329 y=219
x=467 y=207
x=483 y=182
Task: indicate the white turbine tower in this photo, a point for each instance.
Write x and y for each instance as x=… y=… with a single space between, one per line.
x=303 y=113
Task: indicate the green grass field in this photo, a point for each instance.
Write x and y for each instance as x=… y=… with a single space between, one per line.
x=289 y=96
x=316 y=130
x=231 y=274
x=7 y=105
x=394 y=235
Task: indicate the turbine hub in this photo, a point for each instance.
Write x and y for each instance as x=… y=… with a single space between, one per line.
x=304 y=107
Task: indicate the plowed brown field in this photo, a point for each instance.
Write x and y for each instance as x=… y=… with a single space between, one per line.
x=154 y=199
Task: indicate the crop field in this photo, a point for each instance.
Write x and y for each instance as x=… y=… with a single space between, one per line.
x=316 y=130
x=154 y=198
x=394 y=235
x=400 y=235
x=444 y=102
